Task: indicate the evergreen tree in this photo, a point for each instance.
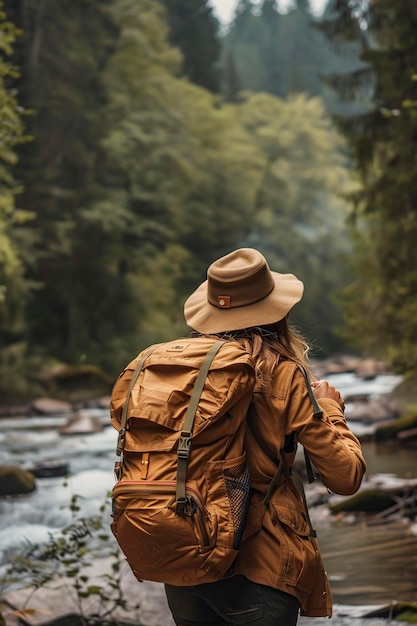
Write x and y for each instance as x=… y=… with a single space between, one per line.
x=344 y=70
x=277 y=53
x=61 y=52
x=231 y=82
x=270 y=46
x=134 y=174
x=140 y=178
x=244 y=42
x=299 y=216
x=302 y=54
x=179 y=158
x=13 y=286
x=381 y=308
x=195 y=31
x=288 y=53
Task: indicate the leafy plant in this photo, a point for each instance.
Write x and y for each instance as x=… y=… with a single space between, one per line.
x=66 y=558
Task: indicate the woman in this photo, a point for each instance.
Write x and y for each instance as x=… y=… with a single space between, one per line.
x=278 y=572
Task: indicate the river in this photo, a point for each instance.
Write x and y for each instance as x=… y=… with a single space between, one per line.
x=368 y=566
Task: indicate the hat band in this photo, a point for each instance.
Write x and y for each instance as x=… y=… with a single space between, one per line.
x=252 y=289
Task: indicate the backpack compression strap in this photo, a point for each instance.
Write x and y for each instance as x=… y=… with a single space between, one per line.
x=184 y=443
x=123 y=420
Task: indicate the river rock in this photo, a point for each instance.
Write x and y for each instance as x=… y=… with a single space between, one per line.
x=408 y=435
x=15 y=481
x=390 y=430
x=50 y=469
x=340 y=364
x=368 y=369
x=80 y=423
x=103 y=402
x=51 y=406
x=400 y=611
x=374 y=410
x=15 y=410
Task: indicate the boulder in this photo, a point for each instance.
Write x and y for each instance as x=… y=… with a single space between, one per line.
x=50 y=406
x=15 y=481
x=379 y=409
x=368 y=369
x=390 y=430
x=410 y=434
x=81 y=423
x=15 y=410
x=50 y=469
x=400 y=611
x=366 y=501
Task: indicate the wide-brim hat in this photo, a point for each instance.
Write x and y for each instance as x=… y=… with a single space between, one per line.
x=240 y=292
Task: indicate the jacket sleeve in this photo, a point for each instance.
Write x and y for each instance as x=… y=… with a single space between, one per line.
x=333 y=448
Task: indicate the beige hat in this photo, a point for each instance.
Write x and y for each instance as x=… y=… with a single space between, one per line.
x=240 y=292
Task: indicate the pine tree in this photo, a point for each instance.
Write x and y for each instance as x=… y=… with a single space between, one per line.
x=60 y=54
x=381 y=309
x=195 y=31
x=231 y=82
x=244 y=41
x=298 y=216
x=13 y=286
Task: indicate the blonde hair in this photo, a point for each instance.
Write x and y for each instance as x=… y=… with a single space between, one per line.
x=266 y=344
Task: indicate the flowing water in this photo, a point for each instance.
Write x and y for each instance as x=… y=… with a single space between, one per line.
x=368 y=565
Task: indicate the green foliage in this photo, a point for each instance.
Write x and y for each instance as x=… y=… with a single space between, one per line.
x=60 y=81
x=13 y=287
x=287 y=53
x=194 y=30
x=140 y=179
x=64 y=562
x=380 y=306
x=299 y=218
x=181 y=155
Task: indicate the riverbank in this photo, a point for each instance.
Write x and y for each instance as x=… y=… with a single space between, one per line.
x=151 y=607
x=356 y=571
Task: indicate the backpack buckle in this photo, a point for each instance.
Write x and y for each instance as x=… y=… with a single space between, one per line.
x=185 y=506
x=120 y=441
x=184 y=445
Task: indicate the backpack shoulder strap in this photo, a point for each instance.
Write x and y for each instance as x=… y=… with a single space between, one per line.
x=184 y=443
x=317 y=414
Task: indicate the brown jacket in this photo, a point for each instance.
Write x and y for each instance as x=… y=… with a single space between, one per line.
x=277 y=549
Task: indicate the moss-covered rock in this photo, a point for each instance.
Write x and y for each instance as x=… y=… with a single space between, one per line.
x=366 y=501
x=389 y=430
x=400 y=611
x=15 y=481
x=76 y=383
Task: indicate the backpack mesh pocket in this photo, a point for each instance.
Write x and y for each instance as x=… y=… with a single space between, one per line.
x=237 y=481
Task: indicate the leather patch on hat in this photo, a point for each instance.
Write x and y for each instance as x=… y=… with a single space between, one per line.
x=223 y=302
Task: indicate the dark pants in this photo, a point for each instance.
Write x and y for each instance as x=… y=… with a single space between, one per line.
x=231 y=601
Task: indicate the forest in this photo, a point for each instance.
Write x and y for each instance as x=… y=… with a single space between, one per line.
x=140 y=140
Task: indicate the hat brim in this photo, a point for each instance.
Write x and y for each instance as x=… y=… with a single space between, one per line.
x=207 y=318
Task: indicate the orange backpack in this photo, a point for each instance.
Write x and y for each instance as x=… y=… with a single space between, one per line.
x=183 y=489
